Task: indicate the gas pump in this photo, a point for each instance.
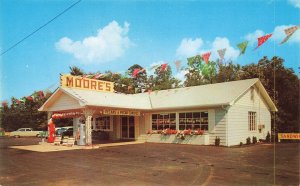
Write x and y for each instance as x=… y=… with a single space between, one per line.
x=51 y=131
x=80 y=134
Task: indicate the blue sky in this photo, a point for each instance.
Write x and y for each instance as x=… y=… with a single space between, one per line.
x=113 y=35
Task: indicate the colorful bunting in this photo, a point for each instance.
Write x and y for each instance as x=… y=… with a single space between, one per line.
x=206 y=56
x=18 y=101
x=30 y=98
x=135 y=72
x=178 y=65
x=164 y=67
x=289 y=32
x=195 y=59
x=262 y=40
x=242 y=46
x=221 y=53
x=41 y=93
x=97 y=76
x=4 y=104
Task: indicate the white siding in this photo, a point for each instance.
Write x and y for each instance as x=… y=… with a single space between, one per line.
x=238 y=127
x=219 y=129
x=64 y=102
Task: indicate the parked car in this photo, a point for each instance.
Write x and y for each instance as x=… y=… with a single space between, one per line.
x=21 y=132
x=61 y=130
x=68 y=133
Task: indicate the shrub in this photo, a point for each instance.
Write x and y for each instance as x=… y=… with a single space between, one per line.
x=268 y=137
x=248 y=141
x=254 y=140
x=217 y=141
x=241 y=143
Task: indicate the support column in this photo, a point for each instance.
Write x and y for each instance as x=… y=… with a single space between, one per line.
x=88 y=126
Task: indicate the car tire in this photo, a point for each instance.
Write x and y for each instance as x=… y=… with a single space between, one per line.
x=17 y=136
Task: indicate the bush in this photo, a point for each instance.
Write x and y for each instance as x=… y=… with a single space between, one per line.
x=241 y=143
x=248 y=141
x=217 y=141
x=254 y=140
x=268 y=137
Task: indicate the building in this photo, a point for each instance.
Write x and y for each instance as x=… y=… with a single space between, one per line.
x=231 y=111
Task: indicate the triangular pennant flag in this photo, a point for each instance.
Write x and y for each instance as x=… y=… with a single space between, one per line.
x=206 y=57
x=97 y=76
x=18 y=101
x=135 y=72
x=242 y=46
x=164 y=67
x=23 y=100
x=4 y=104
x=41 y=94
x=262 y=40
x=221 y=53
x=29 y=98
x=289 y=32
x=178 y=65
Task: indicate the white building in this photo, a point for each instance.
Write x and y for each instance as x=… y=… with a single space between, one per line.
x=231 y=111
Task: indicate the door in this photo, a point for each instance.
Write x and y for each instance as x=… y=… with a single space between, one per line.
x=127 y=127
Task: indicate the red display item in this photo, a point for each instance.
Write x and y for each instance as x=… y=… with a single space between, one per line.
x=51 y=131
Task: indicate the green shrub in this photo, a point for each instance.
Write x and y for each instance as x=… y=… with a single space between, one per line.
x=241 y=143
x=217 y=141
x=248 y=141
x=254 y=140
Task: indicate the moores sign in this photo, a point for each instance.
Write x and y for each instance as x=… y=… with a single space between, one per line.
x=85 y=83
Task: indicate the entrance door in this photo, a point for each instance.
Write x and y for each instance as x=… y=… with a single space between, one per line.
x=127 y=127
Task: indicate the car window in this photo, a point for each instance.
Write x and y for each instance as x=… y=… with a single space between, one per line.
x=28 y=129
x=21 y=130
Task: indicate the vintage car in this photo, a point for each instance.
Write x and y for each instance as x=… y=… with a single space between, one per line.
x=21 y=132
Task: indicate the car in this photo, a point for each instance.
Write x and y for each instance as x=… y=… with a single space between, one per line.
x=21 y=132
x=60 y=130
x=68 y=133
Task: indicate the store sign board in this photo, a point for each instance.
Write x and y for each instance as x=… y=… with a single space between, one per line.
x=121 y=112
x=86 y=83
x=294 y=136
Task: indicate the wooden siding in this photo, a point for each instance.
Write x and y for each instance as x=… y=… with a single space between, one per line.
x=64 y=102
x=219 y=129
x=238 y=126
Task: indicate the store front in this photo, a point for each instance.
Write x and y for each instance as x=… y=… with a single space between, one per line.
x=192 y=115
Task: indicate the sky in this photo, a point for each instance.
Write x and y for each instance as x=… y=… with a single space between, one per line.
x=113 y=35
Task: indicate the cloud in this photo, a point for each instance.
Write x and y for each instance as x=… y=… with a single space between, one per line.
x=252 y=37
x=295 y=3
x=189 y=47
x=220 y=43
x=109 y=44
x=181 y=75
x=279 y=34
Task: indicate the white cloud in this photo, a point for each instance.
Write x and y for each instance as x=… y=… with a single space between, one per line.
x=279 y=34
x=252 y=37
x=189 y=47
x=295 y=3
x=109 y=44
x=181 y=75
x=220 y=43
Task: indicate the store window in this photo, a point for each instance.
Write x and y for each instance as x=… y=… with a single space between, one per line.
x=103 y=123
x=193 y=120
x=252 y=121
x=163 y=121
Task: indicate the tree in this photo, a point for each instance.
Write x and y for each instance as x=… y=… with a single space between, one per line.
x=230 y=72
x=163 y=79
x=139 y=82
x=76 y=71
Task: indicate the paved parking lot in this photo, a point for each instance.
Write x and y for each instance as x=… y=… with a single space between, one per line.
x=150 y=164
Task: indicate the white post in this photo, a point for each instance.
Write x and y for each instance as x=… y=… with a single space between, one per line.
x=88 y=126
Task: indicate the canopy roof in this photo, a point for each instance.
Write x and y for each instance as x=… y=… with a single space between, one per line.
x=211 y=95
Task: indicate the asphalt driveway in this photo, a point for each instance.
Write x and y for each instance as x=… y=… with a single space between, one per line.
x=150 y=164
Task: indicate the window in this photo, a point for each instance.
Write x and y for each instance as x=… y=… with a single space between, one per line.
x=163 y=121
x=103 y=123
x=193 y=120
x=252 y=121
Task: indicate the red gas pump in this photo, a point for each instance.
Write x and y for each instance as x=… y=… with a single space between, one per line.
x=51 y=131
